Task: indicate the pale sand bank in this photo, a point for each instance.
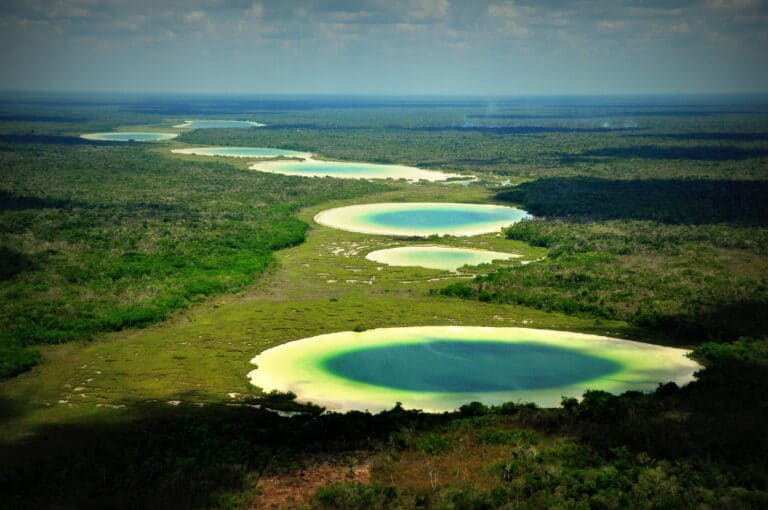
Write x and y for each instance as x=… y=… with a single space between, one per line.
x=300 y=367
x=437 y=257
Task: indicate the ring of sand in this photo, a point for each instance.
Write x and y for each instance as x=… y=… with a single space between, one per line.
x=129 y=136
x=421 y=219
x=310 y=367
x=437 y=257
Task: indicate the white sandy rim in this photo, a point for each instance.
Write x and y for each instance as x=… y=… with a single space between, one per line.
x=208 y=151
x=399 y=256
x=188 y=123
x=348 y=218
x=409 y=173
x=100 y=136
x=297 y=367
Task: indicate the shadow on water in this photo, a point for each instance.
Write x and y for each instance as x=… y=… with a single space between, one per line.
x=675 y=201
x=698 y=153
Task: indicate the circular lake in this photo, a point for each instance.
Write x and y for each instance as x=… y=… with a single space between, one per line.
x=421 y=218
x=213 y=123
x=436 y=257
x=350 y=170
x=440 y=368
x=129 y=137
x=243 y=152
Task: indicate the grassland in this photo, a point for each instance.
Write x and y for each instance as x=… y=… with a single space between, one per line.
x=162 y=415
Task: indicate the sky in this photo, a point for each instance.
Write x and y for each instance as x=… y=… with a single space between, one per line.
x=391 y=47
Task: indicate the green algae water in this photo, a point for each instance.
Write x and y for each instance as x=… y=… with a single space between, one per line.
x=469 y=366
x=129 y=137
x=422 y=218
x=440 y=368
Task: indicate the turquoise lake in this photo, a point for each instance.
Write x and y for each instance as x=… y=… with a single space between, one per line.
x=129 y=137
x=242 y=152
x=207 y=124
x=440 y=218
x=467 y=366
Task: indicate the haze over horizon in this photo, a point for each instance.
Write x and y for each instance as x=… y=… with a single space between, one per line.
x=391 y=47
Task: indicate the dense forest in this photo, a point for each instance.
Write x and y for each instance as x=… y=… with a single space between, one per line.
x=651 y=222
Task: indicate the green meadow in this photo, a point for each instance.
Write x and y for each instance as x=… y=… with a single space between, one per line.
x=138 y=284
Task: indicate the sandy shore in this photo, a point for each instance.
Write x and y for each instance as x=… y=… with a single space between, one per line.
x=299 y=367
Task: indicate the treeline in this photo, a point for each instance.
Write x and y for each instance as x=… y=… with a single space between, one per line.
x=684 y=257
x=96 y=239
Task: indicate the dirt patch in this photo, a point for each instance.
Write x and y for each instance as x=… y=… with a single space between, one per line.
x=296 y=489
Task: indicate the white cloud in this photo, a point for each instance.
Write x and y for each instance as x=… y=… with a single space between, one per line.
x=428 y=9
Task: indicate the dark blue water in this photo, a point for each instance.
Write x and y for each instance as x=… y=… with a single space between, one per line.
x=443 y=218
x=469 y=366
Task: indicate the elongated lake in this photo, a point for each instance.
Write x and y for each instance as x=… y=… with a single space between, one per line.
x=129 y=136
x=350 y=170
x=213 y=123
x=242 y=152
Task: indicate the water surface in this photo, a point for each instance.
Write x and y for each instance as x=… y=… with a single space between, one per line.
x=436 y=257
x=469 y=366
x=350 y=170
x=242 y=152
x=213 y=123
x=129 y=136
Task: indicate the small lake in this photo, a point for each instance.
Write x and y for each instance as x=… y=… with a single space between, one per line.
x=243 y=152
x=421 y=218
x=207 y=124
x=129 y=137
x=436 y=257
x=439 y=368
x=350 y=170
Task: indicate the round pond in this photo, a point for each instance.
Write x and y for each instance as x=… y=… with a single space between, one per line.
x=437 y=257
x=421 y=218
x=439 y=368
x=242 y=152
x=129 y=137
x=349 y=170
x=218 y=123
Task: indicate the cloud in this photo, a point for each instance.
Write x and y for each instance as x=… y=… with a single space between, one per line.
x=428 y=9
x=256 y=10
